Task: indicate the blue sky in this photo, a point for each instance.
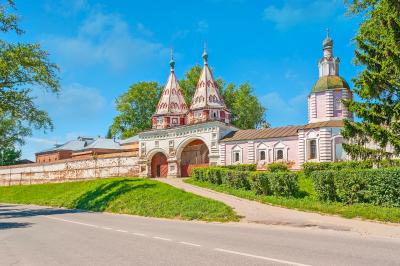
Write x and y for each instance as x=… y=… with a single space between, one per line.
x=102 y=47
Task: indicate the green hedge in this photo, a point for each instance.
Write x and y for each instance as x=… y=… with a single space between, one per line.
x=241 y=167
x=277 y=167
x=337 y=166
x=266 y=183
x=376 y=186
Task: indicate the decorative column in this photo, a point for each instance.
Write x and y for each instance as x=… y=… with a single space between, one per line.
x=325 y=145
x=173 y=168
x=329 y=103
x=222 y=152
x=301 y=152
x=312 y=107
x=346 y=96
x=250 y=152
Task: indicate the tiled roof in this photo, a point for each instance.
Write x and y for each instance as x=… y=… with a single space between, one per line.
x=276 y=132
x=101 y=143
x=72 y=145
x=331 y=123
x=129 y=140
x=266 y=133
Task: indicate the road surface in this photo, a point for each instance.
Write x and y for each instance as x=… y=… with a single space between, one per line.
x=32 y=235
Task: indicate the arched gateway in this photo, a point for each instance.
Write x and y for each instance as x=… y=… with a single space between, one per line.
x=194 y=154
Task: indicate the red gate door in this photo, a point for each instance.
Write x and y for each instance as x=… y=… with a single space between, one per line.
x=159 y=165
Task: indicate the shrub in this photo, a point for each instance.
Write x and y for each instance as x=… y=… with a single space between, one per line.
x=242 y=167
x=284 y=183
x=310 y=167
x=279 y=183
x=324 y=185
x=377 y=186
x=277 y=167
x=259 y=183
x=351 y=187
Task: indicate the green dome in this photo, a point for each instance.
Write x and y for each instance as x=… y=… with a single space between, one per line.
x=329 y=83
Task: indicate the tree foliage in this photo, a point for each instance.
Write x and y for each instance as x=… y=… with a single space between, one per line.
x=9 y=156
x=135 y=108
x=378 y=84
x=23 y=66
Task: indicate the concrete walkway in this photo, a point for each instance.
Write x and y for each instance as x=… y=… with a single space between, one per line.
x=255 y=212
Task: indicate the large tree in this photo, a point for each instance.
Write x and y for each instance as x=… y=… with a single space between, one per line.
x=377 y=134
x=23 y=67
x=135 y=108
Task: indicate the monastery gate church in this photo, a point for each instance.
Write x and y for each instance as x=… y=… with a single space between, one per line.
x=183 y=137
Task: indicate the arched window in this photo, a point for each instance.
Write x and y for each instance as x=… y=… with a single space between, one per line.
x=312 y=149
x=279 y=154
x=262 y=155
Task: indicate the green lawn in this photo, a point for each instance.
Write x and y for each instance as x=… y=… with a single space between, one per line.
x=121 y=195
x=306 y=201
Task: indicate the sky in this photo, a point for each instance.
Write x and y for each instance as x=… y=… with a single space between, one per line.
x=102 y=47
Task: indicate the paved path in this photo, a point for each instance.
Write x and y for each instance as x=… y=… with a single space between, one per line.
x=32 y=235
x=256 y=212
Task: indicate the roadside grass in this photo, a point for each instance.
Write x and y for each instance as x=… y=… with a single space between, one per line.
x=122 y=195
x=307 y=201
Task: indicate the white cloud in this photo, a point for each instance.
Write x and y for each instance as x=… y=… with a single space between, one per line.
x=293 y=13
x=281 y=111
x=106 y=39
x=73 y=100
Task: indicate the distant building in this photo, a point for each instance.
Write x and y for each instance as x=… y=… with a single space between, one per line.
x=85 y=148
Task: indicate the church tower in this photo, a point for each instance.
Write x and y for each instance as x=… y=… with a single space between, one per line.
x=171 y=108
x=325 y=99
x=207 y=103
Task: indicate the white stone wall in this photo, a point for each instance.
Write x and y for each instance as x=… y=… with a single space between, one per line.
x=172 y=141
x=69 y=170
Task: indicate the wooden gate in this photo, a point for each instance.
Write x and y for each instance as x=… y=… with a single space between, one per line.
x=159 y=165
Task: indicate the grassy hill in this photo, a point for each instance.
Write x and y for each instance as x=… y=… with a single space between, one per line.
x=121 y=195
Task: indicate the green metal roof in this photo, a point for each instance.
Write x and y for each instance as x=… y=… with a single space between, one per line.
x=329 y=83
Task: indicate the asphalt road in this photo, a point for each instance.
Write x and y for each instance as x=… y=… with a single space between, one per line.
x=31 y=235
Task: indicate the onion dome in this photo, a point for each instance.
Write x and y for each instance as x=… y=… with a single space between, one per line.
x=330 y=83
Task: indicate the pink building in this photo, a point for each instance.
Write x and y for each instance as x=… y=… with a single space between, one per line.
x=318 y=141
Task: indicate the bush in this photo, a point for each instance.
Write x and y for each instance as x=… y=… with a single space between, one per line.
x=259 y=183
x=310 y=167
x=284 y=184
x=377 y=186
x=237 y=179
x=266 y=183
x=277 y=167
x=324 y=185
x=242 y=167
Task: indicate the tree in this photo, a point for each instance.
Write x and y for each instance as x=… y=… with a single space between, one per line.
x=247 y=111
x=9 y=156
x=377 y=135
x=23 y=66
x=135 y=108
